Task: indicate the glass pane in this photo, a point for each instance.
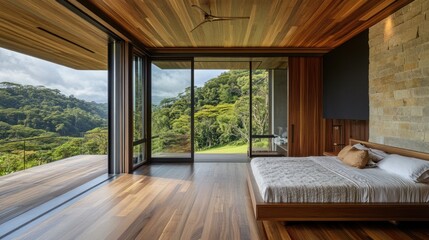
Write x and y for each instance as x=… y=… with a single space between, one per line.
x=138 y=110
x=138 y=100
x=55 y=116
x=138 y=154
x=279 y=96
x=261 y=128
x=262 y=145
x=171 y=109
x=53 y=106
x=269 y=111
x=221 y=108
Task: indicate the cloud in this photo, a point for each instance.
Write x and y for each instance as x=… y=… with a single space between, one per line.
x=87 y=84
x=202 y=76
x=169 y=83
x=83 y=84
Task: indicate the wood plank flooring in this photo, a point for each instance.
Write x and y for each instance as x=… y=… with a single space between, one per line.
x=348 y=230
x=24 y=190
x=185 y=201
x=170 y=201
x=222 y=157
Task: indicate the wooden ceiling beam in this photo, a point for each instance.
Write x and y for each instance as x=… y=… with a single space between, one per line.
x=238 y=51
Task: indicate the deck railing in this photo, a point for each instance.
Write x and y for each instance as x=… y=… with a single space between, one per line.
x=20 y=154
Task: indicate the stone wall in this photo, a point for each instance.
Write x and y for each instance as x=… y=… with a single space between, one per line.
x=399 y=78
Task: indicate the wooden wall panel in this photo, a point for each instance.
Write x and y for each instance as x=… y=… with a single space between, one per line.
x=340 y=131
x=306 y=125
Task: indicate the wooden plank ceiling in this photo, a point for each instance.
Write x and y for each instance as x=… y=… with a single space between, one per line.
x=285 y=25
x=227 y=63
x=45 y=29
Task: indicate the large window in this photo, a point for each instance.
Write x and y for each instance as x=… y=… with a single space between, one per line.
x=49 y=112
x=53 y=105
x=211 y=106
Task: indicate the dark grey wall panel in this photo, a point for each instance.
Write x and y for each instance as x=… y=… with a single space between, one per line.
x=345 y=80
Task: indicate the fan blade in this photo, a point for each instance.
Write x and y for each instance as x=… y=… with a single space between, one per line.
x=201 y=23
x=198 y=7
x=221 y=19
x=215 y=18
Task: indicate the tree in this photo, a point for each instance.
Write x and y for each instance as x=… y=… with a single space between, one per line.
x=10 y=163
x=95 y=141
x=68 y=149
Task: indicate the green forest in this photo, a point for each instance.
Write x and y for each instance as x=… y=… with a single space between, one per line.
x=221 y=113
x=40 y=125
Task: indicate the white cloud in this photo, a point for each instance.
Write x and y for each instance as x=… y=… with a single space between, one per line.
x=202 y=76
x=169 y=83
x=87 y=84
x=83 y=84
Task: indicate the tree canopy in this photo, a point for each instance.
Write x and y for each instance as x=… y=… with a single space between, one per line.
x=27 y=111
x=39 y=125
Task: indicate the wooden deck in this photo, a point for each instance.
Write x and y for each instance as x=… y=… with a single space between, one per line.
x=185 y=201
x=24 y=190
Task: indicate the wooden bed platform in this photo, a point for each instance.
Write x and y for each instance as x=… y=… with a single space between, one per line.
x=340 y=211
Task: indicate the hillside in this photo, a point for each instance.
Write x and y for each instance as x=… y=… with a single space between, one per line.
x=29 y=111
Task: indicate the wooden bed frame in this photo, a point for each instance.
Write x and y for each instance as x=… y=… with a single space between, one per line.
x=340 y=211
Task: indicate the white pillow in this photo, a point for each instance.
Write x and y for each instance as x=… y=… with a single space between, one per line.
x=374 y=154
x=414 y=169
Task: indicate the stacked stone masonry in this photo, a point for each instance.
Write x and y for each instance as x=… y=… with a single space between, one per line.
x=399 y=78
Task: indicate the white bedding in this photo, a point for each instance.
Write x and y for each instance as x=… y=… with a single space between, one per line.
x=328 y=180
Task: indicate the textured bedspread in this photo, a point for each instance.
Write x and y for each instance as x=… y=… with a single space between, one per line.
x=328 y=180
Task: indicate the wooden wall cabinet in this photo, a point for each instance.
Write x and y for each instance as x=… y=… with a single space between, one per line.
x=305 y=118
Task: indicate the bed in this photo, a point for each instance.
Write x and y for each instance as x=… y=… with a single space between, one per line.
x=366 y=201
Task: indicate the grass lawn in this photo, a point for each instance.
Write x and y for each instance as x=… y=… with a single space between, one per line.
x=227 y=149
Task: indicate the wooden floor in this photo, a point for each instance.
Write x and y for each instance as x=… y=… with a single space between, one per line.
x=221 y=157
x=348 y=230
x=24 y=190
x=185 y=201
x=170 y=201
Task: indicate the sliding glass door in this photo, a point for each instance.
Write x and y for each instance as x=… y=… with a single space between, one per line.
x=139 y=140
x=171 y=109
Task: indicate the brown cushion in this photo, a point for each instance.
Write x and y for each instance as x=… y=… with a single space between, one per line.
x=356 y=158
x=344 y=151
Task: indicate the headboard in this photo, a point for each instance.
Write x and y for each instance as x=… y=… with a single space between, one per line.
x=393 y=150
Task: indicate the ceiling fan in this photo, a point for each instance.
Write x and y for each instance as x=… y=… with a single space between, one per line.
x=208 y=17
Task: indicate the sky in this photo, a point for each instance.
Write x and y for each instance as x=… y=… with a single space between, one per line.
x=90 y=85
x=167 y=83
